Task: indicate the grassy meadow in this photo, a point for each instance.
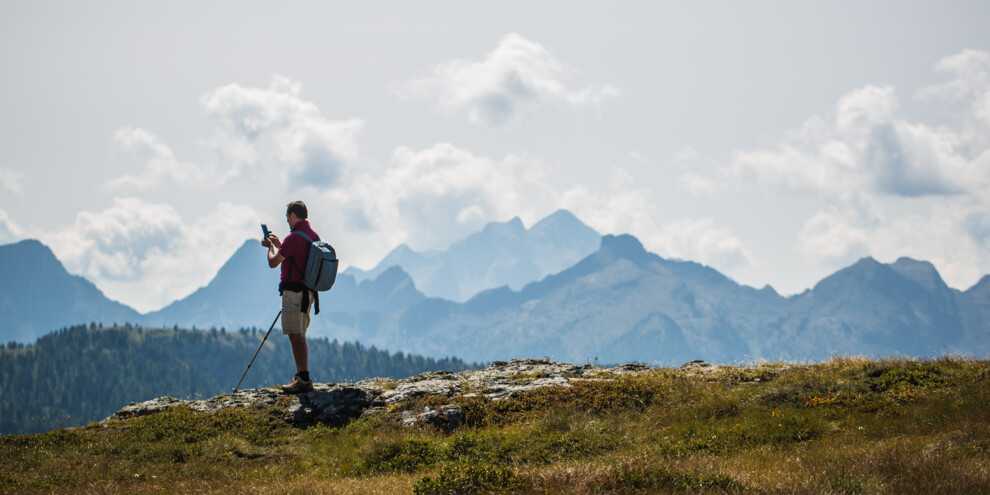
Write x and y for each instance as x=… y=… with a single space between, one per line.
x=844 y=426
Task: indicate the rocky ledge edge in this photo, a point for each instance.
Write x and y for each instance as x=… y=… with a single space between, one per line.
x=335 y=404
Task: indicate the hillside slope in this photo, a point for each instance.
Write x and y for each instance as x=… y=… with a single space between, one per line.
x=37 y=295
x=845 y=426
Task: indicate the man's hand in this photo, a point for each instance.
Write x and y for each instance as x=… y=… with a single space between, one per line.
x=274 y=240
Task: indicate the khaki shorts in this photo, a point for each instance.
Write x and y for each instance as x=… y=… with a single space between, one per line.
x=293 y=320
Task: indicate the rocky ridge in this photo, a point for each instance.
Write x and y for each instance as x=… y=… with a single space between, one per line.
x=336 y=404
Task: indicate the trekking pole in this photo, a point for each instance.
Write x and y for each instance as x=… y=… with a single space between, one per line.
x=259 y=350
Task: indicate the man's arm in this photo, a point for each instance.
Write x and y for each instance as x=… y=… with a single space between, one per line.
x=274 y=258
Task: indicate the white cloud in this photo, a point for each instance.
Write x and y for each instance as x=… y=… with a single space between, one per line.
x=143 y=253
x=972 y=76
x=627 y=208
x=864 y=147
x=161 y=167
x=894 y=187
x=110 y=244
x=624 y=208
x=9 y=230
x=695 y=172
x=260 y=133
x=11 y=180
x=833 y=238
x=432 y=197
x=699 y=239
x=511 y=80
x=969 y=86
x=146 y=253
x=955 y=237
x=274 y=129
x=939 y=233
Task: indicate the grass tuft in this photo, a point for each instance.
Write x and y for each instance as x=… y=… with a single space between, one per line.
x=654 y=479
x=470 y=478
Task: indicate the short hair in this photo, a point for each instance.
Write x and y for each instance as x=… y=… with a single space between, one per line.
x=297 y=207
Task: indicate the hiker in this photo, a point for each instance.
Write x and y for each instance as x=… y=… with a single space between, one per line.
x=292 y=254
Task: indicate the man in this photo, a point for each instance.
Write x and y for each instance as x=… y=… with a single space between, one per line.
x=292 y=254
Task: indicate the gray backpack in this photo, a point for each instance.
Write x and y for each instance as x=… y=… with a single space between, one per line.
x=321 y=265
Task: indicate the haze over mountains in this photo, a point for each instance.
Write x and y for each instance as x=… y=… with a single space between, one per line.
x=606 y=298
x=500 y=254
x=37 y=295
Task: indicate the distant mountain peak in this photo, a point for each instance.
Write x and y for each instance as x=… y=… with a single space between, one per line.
x=905 y=263
x=981 y=288
x=622 y=243
x=513 y=227
x=625 y=246
x=30 y=247
x=859 y=272
x=402 y=249
x=909 y=260
x=393 y=275
x=768 y=289
x=560 y=216
x=561 y=222
x=921 y=272
x=866 y=262
x=27 y=242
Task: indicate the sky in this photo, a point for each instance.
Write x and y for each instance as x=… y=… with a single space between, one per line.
x=774 y=141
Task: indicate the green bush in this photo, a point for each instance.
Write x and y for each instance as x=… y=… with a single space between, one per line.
x=470 y=478
x=913 y=375
x=401 y=456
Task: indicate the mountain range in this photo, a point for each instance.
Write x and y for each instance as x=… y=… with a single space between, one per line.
x=500 y=254
x=618 y=303
x=623 y=303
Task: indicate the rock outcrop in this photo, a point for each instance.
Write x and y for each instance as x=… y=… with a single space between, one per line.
x=336 y=404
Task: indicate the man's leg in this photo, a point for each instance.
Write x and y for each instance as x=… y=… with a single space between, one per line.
x=300 y=351
x=294 y=324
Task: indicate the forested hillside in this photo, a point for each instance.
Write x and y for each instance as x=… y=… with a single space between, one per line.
x=82 y=374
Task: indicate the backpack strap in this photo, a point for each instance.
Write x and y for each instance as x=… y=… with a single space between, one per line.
x=303 y=234
x=316 y=295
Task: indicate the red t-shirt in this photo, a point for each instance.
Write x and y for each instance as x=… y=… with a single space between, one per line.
x=295 y=248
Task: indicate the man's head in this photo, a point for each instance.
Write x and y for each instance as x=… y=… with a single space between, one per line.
x=294 y=212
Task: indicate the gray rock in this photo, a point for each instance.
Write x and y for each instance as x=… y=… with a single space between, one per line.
x=697 y=363
x=337 y=404
x=445 y=417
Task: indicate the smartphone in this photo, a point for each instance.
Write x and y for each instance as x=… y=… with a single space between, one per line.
x=264 y=230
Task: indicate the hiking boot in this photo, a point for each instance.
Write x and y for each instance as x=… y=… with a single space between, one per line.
x=297 y=386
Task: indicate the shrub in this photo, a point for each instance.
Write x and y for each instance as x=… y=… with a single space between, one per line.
x=913 y=375
x=470 y=478
x=401 y=456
